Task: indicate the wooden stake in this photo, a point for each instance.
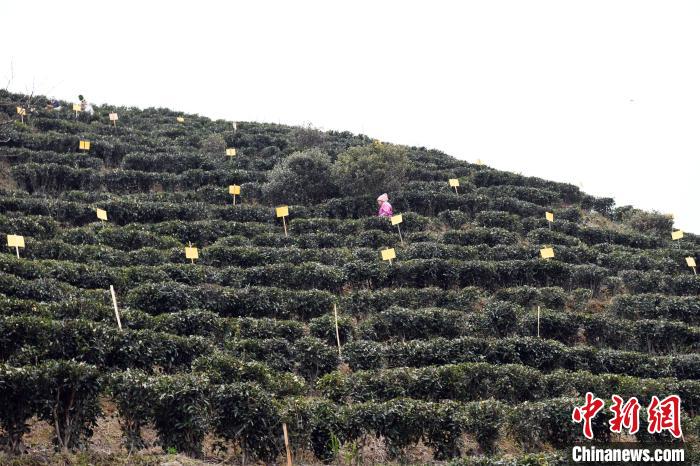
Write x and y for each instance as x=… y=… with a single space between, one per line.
x=116 y=309
x=456 y=192
x=694 y=270
x=337 y=332
x=191 y=246
x=234 y=199
x=538 y=321
x=286 y=444
x=285 y=226
x=17 y=250
x=389 y=261
x=400 y=236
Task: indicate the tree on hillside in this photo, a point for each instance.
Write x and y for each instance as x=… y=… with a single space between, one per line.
x=371 y=169
x=303 y=177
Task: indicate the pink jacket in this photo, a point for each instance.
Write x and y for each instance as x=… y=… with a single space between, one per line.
x=385 y=210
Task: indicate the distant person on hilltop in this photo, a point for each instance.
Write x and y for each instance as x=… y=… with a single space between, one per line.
x=54 y=105
x=85 y=106
x=385 y=209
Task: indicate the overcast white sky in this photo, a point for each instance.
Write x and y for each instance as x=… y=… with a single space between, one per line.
x=602 y=93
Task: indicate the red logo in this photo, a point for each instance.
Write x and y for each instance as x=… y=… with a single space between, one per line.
x=626 y=415
x=665 y=415
x=587 y=412
x=661 y=414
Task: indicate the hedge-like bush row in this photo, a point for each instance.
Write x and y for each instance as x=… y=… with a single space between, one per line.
x=308 y=356
x=307 y=275
x=184 y=407
x=53 y=178
x=157 y=298
x=25 y=340
x=652 y=306
x=656 y=282
x=544 y=355
x=499 y=318
x=510 y=383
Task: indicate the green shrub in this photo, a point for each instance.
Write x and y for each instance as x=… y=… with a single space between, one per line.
x=130 y=392
x=323 y=328
x=301 y=178
x=19 y=405
x=67 y=395
x=370 y=170
x=313 y=358
x=483 y=420
x=181 y=405
x=244 y=413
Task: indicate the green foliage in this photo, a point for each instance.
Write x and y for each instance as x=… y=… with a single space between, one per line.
x=17 y=390
x=483 y=420
x=246 y=414
x=371 y=170
x=131 y=392
x=181 y=405
x=67 y=396
x=301 y=178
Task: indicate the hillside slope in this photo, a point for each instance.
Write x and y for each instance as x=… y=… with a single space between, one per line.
x=443 y=353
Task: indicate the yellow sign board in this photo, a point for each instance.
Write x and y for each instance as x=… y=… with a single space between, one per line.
x=180 y=119
x=549 y=216
x=453 y=182
x=15 y=241
x=113 y=117
x=396 y=219
x=690 y=261
x=77 y=107
x=282 y=211
x=234 y=189
x=388 y=254
x=479 y=162
x=547 y=253
x=191 y=253
x=21 y=111
x=102 y=214
x=231 y=152
x=677 y=234
x=84 y=145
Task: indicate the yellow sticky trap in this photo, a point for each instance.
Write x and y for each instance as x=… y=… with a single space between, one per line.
x=235 y=190
x=547 y=253
x=113 y=117
x=101 y=214
x=388 y=254
x=191 y=253
x=180 y=120
x=282 y=211
x=231 y=152
x=21 y=111
x=15 y=241
x=479 y=162
x=76 y=107
x=396 y=219
x=454 y=182
x=84 y=145
x=690 y=261
x=677 y=234
x=549 y=216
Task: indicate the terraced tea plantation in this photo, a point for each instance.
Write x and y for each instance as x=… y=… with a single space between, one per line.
x=437 y=356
